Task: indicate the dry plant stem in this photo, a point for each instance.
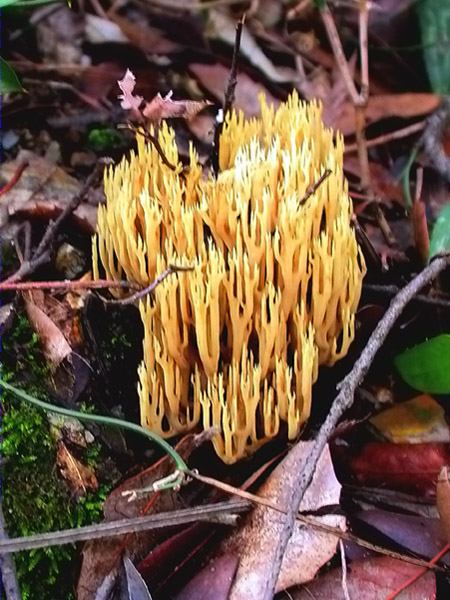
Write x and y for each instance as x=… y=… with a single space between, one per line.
x=149 y=289
x=391 y=290
x=344 y=571
x=388 y=137
x=359 y=100
x=209 y=512
x=15 y=178
x=314 y=187
x=344 y=400
x=413 y=579
x=308 y=521
x=153 y=139
x=7 y=568
x=229 y=96
x=67 y=285
x=42 y=253
x=338 y=52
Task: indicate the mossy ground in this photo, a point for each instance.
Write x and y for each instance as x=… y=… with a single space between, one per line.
x=35 y=498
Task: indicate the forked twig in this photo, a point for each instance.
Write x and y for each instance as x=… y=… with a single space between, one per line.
x=150 y=288
x=153 y=139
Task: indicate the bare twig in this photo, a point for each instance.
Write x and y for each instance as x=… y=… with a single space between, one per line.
x=78 y=284
x=229 y=96
x=312 y=522
x=15 y=178
x=344 y=571
x=311 y=189
x=388 y=137
x=208 y=512
x=392 y=290
x=42 y=253
x=7 y=568
x=150 y=288
x=338 y=51
x=344 y=400
x=153 y=139
x=360 y=99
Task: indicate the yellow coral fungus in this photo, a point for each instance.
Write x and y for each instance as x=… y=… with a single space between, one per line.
x=237 y=342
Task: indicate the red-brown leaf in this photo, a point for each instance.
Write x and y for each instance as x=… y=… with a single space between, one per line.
x=407 y=467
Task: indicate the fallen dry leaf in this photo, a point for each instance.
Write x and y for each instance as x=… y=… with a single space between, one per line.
x=385 y=106
x=418 y=420
x=165 y=108
x=148 y=39
x=213 y=582
x=255 y=543
x=54 y=345
x=443 y=501
x=369 y=579
x=214 y=78
x=128 y=101
x=417 y=534
x=405 y=467
x=80 y=478
x=43 y=191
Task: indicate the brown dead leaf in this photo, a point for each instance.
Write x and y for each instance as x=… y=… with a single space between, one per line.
x=165 y=108
x=256 y=541
x=148 y=39
x=80 y=478
x=128 y=100
x=443 y=501
x=214 y=77
x=84 y=217
x=54 y=345
x=385 y=106
x=371 y=579
x=43 y=191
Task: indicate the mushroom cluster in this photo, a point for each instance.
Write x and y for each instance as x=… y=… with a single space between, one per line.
x=237 y=341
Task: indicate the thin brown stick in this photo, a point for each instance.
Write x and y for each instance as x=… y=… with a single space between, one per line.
x=9 y=581
x=338 y=51
x=307 y=520
x=344 y=400
x=150 y=288
x=153 y=139
x=15 y=178
x=311 y=189
x=208 y=512
x=388 y=137
x=360 y=99
x=67 y=284
x=229 y=96
x=392 y=290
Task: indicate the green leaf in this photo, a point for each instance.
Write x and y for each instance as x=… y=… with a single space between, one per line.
x=434 y=21
x=440 y=238
x=426 y=367
x=23 y=3
x=9 y=81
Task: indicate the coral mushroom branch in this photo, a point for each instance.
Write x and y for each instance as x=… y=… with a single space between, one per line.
x=237 y=341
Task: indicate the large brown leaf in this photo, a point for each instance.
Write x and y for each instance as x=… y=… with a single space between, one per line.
x=255 y=543
x=370 y=579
